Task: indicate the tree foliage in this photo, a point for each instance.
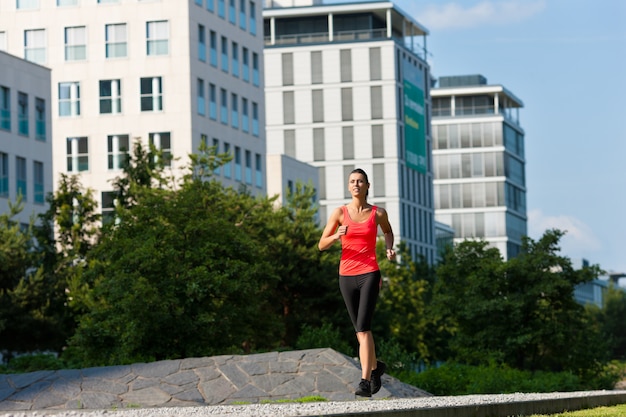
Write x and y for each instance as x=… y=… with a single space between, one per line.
x=522 y=312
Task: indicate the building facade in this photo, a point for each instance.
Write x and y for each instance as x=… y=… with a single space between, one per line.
x=348 y=86
x=169 y=73
x=478 y=152
x=25 y=136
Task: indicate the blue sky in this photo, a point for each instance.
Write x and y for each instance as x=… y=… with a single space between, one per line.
x=566 y=60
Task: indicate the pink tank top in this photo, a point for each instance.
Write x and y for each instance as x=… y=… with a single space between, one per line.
x=358 y=246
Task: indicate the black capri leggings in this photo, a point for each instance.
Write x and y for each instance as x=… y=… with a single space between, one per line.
x=360 y=293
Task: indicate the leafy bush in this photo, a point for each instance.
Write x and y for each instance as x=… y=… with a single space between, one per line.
x=32 y=363
x=322 y=337
x=458 y=379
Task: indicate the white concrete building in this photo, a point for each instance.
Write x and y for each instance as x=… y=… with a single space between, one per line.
x=348 y=86
x=480 y=175
x=172 y=73
x=25 y=135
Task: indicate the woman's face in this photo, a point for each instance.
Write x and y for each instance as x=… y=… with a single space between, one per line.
x=357 y=184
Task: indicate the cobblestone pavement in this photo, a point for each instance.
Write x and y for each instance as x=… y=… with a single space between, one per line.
x=219 y=380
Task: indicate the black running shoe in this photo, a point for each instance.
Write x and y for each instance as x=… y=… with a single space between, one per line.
x=364 y=389
x=376 y=374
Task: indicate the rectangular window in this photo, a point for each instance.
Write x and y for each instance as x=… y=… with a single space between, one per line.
x=235 y=58
x=248 y=167
x=157 y=38
x=22 y=113
x=347 y=169
x=232 y=13
x=289 y=111
x=38 y=191
x=201 y=102
x=77 y=154
x=117 y=151
x=221 y=8
x=379 y=185
x=375 y=64
x=317 y=98
x=378 y=144
x=319 y=147
x=228 y=165
x=116 y=40
x=27 y=4
x=316 y=67
x=199 y=3
x=255 y=69
x=289 y=142
x=224 y=106
x=76 y=43
x=287 y=65
x=224 y=54
x=212 y=101
x=348 y=142
x=245 y=119
x=108 y=1
x=216 y=145
x=246 y=65
x=242 y=14
x=69 y=99
x=376 y=102
x=151 y=94
x=213 y=44
x=20 y=177
x=4 y=174
x=162 y=141
x=5 y=108
x=237 y=163
x=259 y=170
x=234 y=107
x=110 y=97
x=345 y=58
x=346 y=104
x=252 y=18
x=108 y=207
x=255 y=119
x=35 y=45
x=201 y=43
x=40 y=119
x=210 y=5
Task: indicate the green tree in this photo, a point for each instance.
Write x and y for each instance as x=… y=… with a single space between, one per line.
x=610 y=318
x=521 y=312
x=401 y=312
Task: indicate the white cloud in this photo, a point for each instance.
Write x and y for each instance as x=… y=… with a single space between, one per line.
x=579 y=240
x=484 y=13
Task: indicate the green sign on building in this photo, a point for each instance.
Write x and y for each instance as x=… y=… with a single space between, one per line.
x=414 y=119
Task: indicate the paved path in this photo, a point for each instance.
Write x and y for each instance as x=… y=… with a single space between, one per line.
x=216 y=380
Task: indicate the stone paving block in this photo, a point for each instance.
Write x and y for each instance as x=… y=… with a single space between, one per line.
x=222 y=359
x=4 y=382
x=255 y=368
x=94 y=400
x=193 y=363
x=31 y=392
x=65 y=388
x=234 y=374
x=141 y=383
x=24 y=380
x=14 y=406
x=104 y=385
x=300 y=385
x=107 y=372
x=295 y=355
x=74 y=375
x=48 y=401
x=182 y=378
x=208 y=373
x=216 y=391
x=249 y=391
x=6 y=393
x=147 y=397
x=284 y=367
x=159 y=369
x=325 y=381
x=191 y=394
x=269 y=382
x=261 y=357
